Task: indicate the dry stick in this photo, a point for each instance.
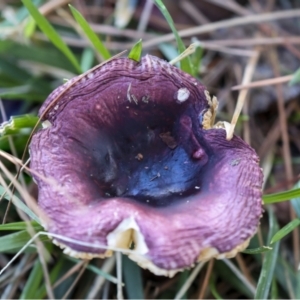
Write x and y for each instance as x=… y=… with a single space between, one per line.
x=286 y=149
x=75 y=281
x=107 y=267
x=222 y=49
x=292 y=49
x=249 y=71
x=108 y=30
x=265 y=82
x=213 y=44
x=23 y=192
x=70 y=272
x=252 y=19
x=206 y=279
x=243 y=268
x=257 y=41
x=189 y=281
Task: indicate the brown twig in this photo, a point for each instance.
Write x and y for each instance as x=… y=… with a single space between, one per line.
x=261 y=83
x=249 y=71
x=206 y=279
x=75 y=281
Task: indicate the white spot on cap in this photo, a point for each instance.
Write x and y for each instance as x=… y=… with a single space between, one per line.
x=182 y=95
x=46 y=124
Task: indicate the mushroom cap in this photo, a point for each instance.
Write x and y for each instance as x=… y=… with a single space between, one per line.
x=131 y=164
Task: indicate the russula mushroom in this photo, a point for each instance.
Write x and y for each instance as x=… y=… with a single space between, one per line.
x=139 y=164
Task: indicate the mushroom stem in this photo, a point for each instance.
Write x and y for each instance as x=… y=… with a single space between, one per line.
x=190 y=50
x=249 y=71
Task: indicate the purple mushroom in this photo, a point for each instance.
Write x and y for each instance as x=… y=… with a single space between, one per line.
x=138 y=164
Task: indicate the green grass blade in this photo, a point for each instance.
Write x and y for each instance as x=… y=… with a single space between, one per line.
x=17 y=202
x=285 y=230
x=279 y=197
x=29 y=28
x=297 y=293
x=33 y=282
x=87 y=59
x=15 y=240
x=50 y=32
x=185 y=63
x=257 y=250
x=183 y=277
x=274 y=290
x=91 y=35
x=296 y=201
x=269 y=262
x=18 y=124
x=287 y=277
x=47 y=55
x=59 y=269
x=136 y=51
x=296 y=78
x=133 y=279
x=197 y=60
x=212 y=287
x=20 y=226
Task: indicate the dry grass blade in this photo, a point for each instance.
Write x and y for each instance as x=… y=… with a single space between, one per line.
x=249 y=71
x=190 y=50
x=222 y=49
x=189 y=281
x=239 y=275
x=252 y=19
x=99 y=281
x=30 y=201
x=75 y=281
x=206 y=279
x=261 y=83
x=69 y=273
x=40 y=248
